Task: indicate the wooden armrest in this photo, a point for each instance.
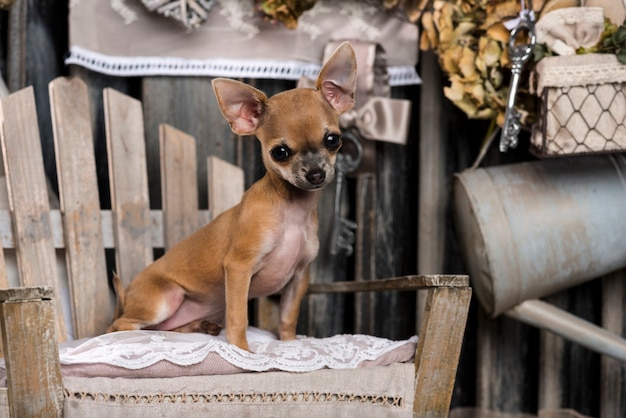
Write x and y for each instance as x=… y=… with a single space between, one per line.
x=405 y=283
x=22 y=294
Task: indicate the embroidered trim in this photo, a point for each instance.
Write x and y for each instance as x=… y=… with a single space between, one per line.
x=240 y=397
x=284 y=70
x=579 y=70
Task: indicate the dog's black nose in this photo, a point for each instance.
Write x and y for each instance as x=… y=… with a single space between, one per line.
x=316 y=176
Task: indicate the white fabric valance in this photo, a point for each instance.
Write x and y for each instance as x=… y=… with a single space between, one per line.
x=123 y=38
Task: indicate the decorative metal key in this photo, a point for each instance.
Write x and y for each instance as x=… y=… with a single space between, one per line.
x=342 y=236
x=520 y=54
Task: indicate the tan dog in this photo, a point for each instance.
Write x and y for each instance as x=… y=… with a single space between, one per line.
x=265 y=244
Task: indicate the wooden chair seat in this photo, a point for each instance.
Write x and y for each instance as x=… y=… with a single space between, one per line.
x=33 y=314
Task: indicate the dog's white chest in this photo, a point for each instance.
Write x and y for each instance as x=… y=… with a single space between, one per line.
x=292 y=249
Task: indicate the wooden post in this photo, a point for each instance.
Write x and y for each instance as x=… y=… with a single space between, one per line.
x=432 y=175
x=32 y=359
x=613 y=372
x=435 y=373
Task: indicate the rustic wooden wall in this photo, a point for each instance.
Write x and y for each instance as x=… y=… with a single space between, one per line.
x=505 y=366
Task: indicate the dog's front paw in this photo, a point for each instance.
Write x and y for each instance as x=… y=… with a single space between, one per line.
x=239 y=340
x=288 y=336
x=242 y=344
x=287 y=333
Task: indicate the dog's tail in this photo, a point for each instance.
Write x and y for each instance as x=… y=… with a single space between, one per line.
x=118 y=287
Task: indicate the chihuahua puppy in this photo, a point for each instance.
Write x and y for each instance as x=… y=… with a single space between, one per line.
x=265 y=244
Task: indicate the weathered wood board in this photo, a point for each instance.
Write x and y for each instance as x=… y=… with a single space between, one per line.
x=80 y=204
x=225 y=183
x=179 y=187
x=28 y=199
x=129 y=183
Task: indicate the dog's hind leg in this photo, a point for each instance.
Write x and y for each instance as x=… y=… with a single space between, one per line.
x=148 y=304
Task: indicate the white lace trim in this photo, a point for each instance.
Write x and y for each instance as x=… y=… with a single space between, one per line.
x=139 y=349
x=579 y=70
x=173 y=66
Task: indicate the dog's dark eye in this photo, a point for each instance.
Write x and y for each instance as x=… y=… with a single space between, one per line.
x=333 y=141
x=280 y=153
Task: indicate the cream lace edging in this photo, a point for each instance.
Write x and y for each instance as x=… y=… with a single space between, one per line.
x=135 y=350
x=579 y=70
x=172 y=66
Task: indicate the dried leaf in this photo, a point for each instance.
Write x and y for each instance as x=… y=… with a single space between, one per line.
x=466 y=64
x=490 y=51
x=429 y=38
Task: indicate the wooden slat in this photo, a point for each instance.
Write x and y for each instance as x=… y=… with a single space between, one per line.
x=80 y=203
x=324 y=315
x=4 y=284
x=613 y=373
x=506 y=364
x=396 y=236
x=36 y=38
x=28 y=196
x=225 y=184
x=96 y=84
x=129 y=183
x=34 y=381
x=405 y=283
x=561 y=377
x=189 y=104
x=364 y=253
x=179 y=184
x=438 y=350
x=551 y=355
x=4 y=280
x=432 y=177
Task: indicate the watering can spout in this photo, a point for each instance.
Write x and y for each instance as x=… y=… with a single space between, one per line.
x=550 y=318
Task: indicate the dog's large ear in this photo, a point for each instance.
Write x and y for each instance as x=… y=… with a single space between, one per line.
x=242 y=105
x=337 y=79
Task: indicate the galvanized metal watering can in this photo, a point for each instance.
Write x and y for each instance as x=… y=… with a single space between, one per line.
x=530 y=230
